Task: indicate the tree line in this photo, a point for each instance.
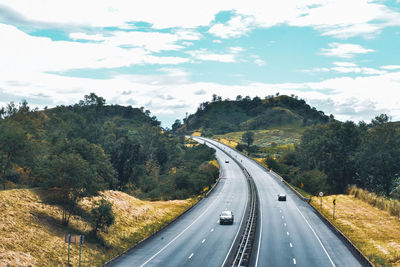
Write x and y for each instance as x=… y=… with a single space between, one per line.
x=79 y=150
x=335 y=155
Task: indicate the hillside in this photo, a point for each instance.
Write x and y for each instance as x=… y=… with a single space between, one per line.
x=223 y=116
x=125 y=146
x=31 y=234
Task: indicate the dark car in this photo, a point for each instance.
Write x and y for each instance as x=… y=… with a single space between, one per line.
x=226 y=161
x=226 y=217
x=281 y=197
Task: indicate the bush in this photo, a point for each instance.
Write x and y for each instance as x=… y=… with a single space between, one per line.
x=314 y=181
x=102 y=216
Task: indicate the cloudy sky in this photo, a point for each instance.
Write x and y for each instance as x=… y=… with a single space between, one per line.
x=342 y=56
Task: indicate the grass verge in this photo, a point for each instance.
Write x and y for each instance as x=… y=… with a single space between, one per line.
x=31 y=233
x=375 y=232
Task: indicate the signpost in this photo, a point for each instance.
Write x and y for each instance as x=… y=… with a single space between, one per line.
x=321 y=194
x=334 y=205
x=76 y=239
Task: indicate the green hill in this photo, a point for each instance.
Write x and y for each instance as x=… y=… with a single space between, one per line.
x=223 y=116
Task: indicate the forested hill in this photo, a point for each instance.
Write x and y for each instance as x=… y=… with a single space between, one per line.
x=90 y=146
x=222 y=116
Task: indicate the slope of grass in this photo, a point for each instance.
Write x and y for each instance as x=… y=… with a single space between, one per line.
x=372 y=230
x=31 y=234
x=275 y=140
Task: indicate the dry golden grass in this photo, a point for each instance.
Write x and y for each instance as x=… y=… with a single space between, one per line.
x=31 y=235
x=196 y=134
x=374 y=231
x=228 y=142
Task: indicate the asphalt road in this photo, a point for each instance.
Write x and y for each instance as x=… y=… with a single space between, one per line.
x=196 y=238
x=290 y=233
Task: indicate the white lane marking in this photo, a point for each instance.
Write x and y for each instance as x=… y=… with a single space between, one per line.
x=203 y=241
x=191 y=255
x=181 y=233
x=284 y=224
x=287 y=233
x=212 y=230
x=280 y=210
x=283 y=217
x=291 y=245
x=259 y=238
x=326 y=252
x=294 y=261
x=217 y=220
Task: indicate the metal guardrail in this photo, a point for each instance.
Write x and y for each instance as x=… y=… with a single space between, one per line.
x=241 y=256
x=353 y=249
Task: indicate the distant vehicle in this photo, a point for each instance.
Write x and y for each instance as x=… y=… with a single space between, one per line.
x=226 y=217
x=226 y=161
x=281 y=197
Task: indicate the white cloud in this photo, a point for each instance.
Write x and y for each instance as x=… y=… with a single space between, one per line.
x=337 y=18
x=391 y=67
x=259 y=62
x=345 y=64
x=235 y=27
x=205 y=55
x=236 y=49
x=217 y=41
x=24 y=52
x=363 y=70
x=344 y=50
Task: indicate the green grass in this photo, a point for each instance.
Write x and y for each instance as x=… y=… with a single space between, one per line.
x=272 y=141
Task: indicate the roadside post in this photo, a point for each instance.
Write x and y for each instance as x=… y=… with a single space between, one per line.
x=68 y=240
x=334 y=205
x=321 y=194
x=74 y=239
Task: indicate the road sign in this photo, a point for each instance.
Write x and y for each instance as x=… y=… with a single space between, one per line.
x=321 y=194
x=76 y=239
x=334 y=201
x=301 y=185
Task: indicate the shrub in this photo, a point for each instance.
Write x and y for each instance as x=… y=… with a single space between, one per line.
x=314 y=181
x=102 y=216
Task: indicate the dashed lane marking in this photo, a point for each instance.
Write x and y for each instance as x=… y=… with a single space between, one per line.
x=191 y=255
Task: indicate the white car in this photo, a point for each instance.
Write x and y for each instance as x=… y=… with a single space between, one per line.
x=226 y=217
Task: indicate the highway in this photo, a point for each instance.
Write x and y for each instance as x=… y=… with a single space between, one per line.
x=289 y=233
x=196 y=238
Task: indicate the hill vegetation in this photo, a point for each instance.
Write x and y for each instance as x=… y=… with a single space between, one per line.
x=223 y=116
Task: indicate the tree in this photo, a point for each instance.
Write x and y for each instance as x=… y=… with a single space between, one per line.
x=248 y=138
x=379 y=155
x=13 y=146
x=102 y=216
x=177 y=124
x=76 y=169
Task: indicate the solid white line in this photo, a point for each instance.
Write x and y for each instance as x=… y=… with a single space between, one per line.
x=203 y=241
x=241 y=222
x=191 y=255
x=294 y=261
x=326 y=252
x=181 y=233
x=259 y=239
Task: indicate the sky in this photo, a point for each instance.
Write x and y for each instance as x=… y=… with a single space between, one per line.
x=341 y=56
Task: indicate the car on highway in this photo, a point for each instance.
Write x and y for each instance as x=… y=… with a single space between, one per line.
x=281 y=197
x=226 y=161
x=226 y=217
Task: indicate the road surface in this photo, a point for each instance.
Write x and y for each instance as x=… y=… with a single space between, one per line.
x=196 y=238
x=289 y=233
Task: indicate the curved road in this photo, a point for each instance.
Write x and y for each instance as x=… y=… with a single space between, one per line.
x=289 y=233
x=196 y=238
